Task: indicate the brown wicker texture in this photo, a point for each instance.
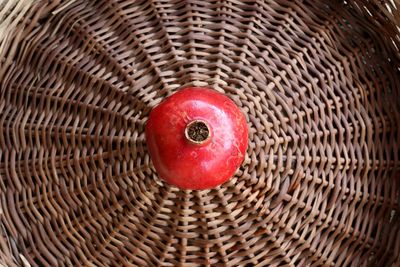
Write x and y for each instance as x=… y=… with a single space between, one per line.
x=318 y=82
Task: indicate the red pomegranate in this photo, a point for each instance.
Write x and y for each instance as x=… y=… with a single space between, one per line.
x=197 y=138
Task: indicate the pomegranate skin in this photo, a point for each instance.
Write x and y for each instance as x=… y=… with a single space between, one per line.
x=196 y=164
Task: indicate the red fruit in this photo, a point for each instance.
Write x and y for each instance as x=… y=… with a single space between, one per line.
x=197 y=138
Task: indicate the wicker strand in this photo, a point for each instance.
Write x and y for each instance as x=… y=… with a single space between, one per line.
x=385 y=15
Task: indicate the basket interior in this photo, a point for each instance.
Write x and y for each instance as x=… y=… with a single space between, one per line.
x=319 y=85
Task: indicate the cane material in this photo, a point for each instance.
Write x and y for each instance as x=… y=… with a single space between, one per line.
x=320 y=90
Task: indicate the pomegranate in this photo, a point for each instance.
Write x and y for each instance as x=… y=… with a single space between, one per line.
x=197 y=138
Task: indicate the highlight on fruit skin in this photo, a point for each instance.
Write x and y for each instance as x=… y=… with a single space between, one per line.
x=197 y=138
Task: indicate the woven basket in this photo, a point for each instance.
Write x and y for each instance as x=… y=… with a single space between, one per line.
x=318 y=82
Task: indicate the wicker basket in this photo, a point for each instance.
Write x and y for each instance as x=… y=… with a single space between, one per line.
x=319 y=84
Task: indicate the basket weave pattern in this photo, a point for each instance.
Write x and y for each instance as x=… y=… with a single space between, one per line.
x=320 y=92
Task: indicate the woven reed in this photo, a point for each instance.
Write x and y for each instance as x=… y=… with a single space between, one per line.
x=318 y=82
